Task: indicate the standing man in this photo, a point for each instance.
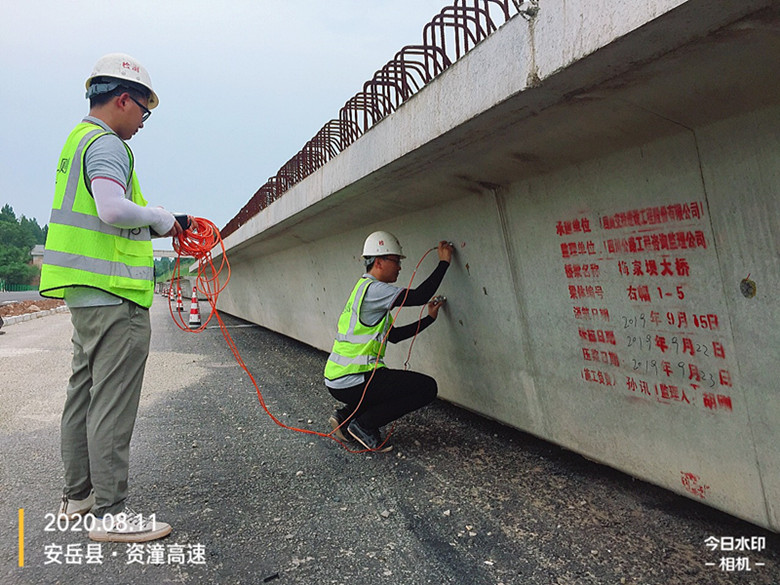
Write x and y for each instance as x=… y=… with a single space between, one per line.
x=355 y=374
x=98 y=259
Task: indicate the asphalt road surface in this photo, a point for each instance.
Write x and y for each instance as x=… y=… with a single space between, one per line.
x=460 y=500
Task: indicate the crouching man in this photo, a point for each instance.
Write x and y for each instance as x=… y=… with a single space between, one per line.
x=355 y=374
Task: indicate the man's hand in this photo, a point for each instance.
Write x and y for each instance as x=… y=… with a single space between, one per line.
x=445 y=251
x=177 y=227
x=434 y=305
x=175 y=230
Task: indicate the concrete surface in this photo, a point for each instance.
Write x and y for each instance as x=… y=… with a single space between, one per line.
x=608 y=172
x=460 y=500
x=35 y=315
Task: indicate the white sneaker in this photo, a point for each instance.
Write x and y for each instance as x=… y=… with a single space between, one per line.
x=128 y=526
x=72 y=509
x=338 y=427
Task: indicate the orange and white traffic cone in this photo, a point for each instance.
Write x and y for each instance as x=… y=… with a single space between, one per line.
x=194 y=310
x=171 y=298
x=179 y=304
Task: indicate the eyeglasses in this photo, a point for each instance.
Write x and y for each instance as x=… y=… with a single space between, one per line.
x=147 y=112
x=396 y=260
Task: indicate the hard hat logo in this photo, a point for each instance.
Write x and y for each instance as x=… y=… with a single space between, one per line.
x=131 y=67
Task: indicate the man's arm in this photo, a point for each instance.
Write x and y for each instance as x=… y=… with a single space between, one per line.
x=108 y=168
x=423 y=293
x=114 y=209
x=400 y=333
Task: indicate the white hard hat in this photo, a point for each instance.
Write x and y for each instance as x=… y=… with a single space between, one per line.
x=381 y=244
x=123 y=68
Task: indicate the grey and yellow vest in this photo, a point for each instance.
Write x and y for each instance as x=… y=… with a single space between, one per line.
x=83 y=250
x=357 y=346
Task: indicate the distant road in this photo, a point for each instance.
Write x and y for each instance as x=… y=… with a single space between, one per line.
x=29 y=295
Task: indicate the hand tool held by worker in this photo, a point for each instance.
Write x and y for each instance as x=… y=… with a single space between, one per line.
x=445 y=250
x=435 y=304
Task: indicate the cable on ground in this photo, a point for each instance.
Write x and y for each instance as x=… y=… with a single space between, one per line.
x=198 y=241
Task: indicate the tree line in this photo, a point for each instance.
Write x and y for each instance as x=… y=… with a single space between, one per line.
x=164 y=268
x=18 y=236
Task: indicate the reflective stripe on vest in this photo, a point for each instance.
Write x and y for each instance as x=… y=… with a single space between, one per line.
x=81 y=249
x=357 y=347
x=65 y=260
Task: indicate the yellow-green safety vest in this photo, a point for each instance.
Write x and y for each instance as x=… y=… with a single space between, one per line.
x=357 y=346
x=83 y=250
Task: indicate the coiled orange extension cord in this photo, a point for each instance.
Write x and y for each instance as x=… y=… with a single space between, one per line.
x=198 y=241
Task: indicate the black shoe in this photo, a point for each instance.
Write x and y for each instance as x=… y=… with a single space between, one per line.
x=370 y=439
x=336 y=422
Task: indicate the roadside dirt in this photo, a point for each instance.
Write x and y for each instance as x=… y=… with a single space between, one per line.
x=13 y=308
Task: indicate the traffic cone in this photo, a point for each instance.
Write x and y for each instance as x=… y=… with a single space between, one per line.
x=171 y=298
x=194 y=310
x=179 y=304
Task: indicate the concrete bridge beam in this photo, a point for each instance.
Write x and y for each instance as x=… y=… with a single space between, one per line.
x=609 y=176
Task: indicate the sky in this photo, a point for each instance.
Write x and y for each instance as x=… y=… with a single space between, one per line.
x=243 y=85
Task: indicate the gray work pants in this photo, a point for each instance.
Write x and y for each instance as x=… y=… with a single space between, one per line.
x=110 y=347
